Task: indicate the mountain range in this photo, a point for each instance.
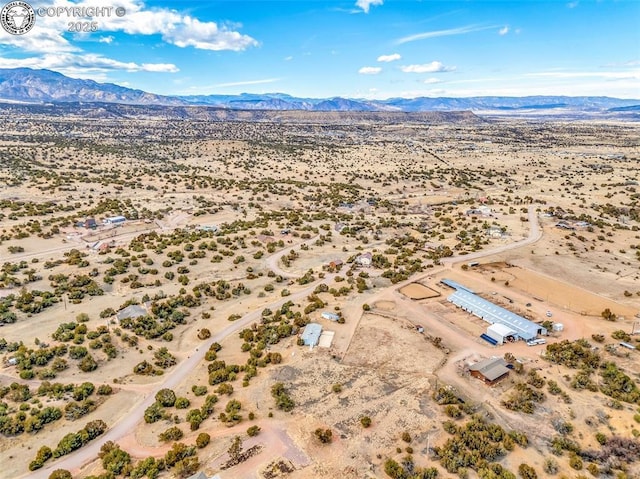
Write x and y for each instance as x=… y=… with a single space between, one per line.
x=25 y=85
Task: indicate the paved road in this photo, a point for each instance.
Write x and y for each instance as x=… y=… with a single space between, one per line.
x=127 y=423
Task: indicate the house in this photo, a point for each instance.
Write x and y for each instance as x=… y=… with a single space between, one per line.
x=266 y=239
x=565 y=226
x=212 y=228
x=311 y=334
x=495 y=232
x=335 y=264
x=339 y=227
x=90 y=223
x=133 y=311
x=105 y=246
x=485 y=210
x=490 y=370
x=364 y=259
x=330 y=316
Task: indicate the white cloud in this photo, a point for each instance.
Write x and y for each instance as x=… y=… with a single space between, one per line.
x=573 y=4
x=503 y=31
x=442 y=33
x=175 y=28
x=108 y=39
x=365 y=5
x=389 y=58
x=369 y=70
x=85 y=65
x=433 y=67
x=626 y=75
x=431 y=81
x=288 y=59
x=630 y=63
x=247 y=82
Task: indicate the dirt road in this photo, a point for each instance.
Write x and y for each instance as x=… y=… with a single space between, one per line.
x=127 y=423
x=535 y=233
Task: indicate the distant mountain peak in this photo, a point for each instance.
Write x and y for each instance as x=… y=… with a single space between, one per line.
x=26 y=85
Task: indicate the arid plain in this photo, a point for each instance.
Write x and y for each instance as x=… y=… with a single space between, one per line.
x=178 y=330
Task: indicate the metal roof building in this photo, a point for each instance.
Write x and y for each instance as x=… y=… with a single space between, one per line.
x=500 y=332
x=311 y=334
x=114 y=220
x=132 y=311
x=454 y=285
x=493 y=313
x=490 y=370
x=330 y=316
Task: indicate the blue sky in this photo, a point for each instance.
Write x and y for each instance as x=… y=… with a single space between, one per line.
x=357 y=49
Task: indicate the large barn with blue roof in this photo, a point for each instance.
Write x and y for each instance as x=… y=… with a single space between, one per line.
x=518 y=327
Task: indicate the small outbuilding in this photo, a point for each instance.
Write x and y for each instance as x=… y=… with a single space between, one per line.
x=311 y=334
x=490 y=370
x=133 y=311
x=330 y=316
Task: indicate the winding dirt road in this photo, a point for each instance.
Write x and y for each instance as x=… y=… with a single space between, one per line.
x=126 y=424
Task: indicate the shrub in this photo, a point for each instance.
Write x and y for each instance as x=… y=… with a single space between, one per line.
x=325 y=436
x=527 y=472
x=253 y=431
x=203 y=440
x=88 y=364
x=204 y=333
x=283 y=400
x=199 y=390
x=172 y=434
x=114 y=459
x=550 y=466
x=43 y=455
x=60 y=474
x=224 y=388
x=104 y=390
x=365 y=421
x=153 y=413
x=186 y=467
x=575 y=462
x=166 y=397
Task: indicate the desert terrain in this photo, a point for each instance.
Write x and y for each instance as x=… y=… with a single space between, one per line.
x=171 y=341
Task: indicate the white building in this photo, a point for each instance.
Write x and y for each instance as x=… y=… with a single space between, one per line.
x=114 y=220
x=501 y=333
x=364 y=259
